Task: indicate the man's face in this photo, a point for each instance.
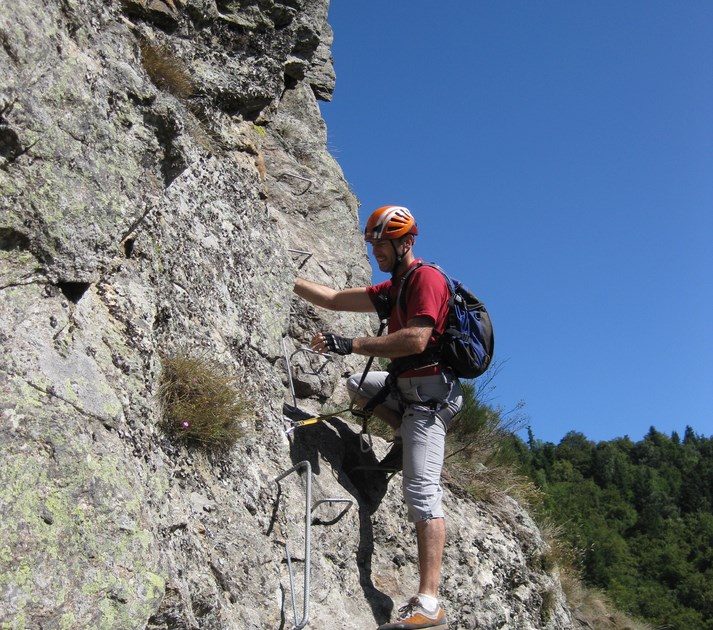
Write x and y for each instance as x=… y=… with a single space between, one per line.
x=384 y=253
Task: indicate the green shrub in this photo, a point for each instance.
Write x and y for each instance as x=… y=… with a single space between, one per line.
x=200 y=402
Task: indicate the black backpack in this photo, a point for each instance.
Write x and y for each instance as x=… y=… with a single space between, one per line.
x=468 y=342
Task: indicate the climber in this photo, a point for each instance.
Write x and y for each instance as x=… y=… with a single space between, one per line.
x=425 y=395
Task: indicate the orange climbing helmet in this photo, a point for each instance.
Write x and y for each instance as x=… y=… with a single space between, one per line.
x=389 y=222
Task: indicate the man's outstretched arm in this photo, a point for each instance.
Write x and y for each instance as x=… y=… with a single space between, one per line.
x=410 y=340
x=356 y=300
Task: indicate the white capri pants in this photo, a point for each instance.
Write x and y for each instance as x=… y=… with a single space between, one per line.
x=423 y=431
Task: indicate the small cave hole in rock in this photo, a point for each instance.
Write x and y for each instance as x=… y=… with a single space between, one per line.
x=12 y=239
x=129 y=247
x=290 y=82
x=74 y=291
x=10 y=146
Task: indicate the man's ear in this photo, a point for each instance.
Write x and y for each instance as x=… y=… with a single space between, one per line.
x=408 y=242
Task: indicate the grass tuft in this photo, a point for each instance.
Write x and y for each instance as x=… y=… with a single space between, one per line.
x=549 y=602
x=558 y=553
x=592 y=609
x=167 y=71
x=200 y=402
x=478 y=455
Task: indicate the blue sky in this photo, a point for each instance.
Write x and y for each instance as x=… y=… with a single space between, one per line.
x=558 y=157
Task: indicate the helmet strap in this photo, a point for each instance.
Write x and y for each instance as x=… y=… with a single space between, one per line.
x=397 y=262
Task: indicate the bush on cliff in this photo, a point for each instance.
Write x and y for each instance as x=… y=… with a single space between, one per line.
x=200 y=402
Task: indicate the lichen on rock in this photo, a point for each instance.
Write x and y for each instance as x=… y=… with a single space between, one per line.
x=140 y=218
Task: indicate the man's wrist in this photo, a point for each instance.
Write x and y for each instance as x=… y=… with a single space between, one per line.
x=337 y=343
x=360 y=345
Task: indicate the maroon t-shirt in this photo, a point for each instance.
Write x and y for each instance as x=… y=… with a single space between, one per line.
x=426 y=296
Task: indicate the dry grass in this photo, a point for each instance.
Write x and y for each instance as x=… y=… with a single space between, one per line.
x=476 y=453
x=592 y=608
x=558 y=553
x=491 y=482
x=200 y=402
x=260 y=166
x=549 y=602
x=167 y=71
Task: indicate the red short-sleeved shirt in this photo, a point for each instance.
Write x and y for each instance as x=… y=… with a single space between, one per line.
x=426 y=296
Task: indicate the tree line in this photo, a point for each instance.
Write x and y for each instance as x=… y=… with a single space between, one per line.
x=640 y=515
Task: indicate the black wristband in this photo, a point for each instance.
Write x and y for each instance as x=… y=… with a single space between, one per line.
x=340 y=345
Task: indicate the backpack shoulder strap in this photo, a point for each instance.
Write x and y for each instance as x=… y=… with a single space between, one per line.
x=382 y=303
x=401 y=297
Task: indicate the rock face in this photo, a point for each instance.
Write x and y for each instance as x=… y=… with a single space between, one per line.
x=159 y=160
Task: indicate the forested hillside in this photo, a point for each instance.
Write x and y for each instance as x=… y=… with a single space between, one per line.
x=641 y=515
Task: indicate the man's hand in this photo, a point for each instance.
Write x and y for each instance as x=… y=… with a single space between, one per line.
x=332 y=343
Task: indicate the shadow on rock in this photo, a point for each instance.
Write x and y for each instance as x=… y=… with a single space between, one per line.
x=335 y=442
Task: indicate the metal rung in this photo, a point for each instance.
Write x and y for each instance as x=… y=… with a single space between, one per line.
x=348 y=503
x=308 y=541
x=310 y=183
x=366 y=444
x=327 y=358
x=288 y=365
x=308 y=545
x=307 y=256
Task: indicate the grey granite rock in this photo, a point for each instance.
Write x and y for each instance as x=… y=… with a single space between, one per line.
x=155 y=207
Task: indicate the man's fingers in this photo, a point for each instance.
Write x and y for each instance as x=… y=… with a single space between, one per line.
x=317 y=343
x=337 y=343
x=329 y=342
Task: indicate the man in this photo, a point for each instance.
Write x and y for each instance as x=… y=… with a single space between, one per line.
x=426 y=397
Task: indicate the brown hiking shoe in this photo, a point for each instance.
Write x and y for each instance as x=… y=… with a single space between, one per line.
x=413 y=616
